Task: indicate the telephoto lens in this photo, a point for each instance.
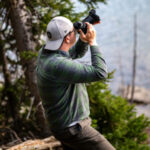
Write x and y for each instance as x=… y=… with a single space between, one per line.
x=92 y=18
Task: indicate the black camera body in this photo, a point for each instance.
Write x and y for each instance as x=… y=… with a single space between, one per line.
x=91 y=18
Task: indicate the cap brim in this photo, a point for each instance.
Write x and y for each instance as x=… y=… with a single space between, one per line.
x=53 y=45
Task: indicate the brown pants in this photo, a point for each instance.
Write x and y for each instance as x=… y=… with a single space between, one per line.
x=83 y=137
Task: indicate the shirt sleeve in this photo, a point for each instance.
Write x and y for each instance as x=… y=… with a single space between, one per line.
x=71 y=71
x=78 y=50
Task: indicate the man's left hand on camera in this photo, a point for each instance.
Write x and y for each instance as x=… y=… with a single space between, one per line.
x=90 y=36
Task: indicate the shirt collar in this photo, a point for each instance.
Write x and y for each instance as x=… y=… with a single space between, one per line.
x=64 y=53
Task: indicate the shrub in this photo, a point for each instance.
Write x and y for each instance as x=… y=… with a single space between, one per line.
x=116 y=119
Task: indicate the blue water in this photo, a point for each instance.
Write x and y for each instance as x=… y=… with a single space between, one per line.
x=115 y=37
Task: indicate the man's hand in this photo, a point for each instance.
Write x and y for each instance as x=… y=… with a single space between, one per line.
x=90 y=36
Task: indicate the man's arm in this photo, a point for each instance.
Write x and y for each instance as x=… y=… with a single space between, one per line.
x=70 y=71
x=79 y=49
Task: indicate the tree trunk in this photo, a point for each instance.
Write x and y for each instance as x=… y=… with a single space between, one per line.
x=22 y=27
x=134 y=60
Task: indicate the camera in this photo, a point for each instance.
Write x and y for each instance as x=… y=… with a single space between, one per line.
x=92 y=18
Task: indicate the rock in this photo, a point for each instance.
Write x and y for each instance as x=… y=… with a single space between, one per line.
x=141 y=95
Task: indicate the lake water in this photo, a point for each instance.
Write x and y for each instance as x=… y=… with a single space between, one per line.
x=115 y=37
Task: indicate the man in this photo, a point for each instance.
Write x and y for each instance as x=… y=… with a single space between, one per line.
x=61 y=82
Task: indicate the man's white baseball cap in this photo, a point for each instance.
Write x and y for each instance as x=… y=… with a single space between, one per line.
x=57 y=29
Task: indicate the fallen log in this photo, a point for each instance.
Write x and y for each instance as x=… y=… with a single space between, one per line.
x=49 y=143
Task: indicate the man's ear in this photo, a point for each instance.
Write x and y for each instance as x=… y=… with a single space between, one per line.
x=67 y=39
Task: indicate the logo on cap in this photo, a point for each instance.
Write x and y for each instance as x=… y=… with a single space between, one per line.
x=49 y=35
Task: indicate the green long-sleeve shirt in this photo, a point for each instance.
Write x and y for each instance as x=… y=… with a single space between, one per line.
x=61 y=83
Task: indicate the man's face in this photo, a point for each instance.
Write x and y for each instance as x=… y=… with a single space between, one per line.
x=72 y=35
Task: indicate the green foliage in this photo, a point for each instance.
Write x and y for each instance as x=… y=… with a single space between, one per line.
x=91 y=3
x=26 y=55
x=22 y=125
x=115 y=118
